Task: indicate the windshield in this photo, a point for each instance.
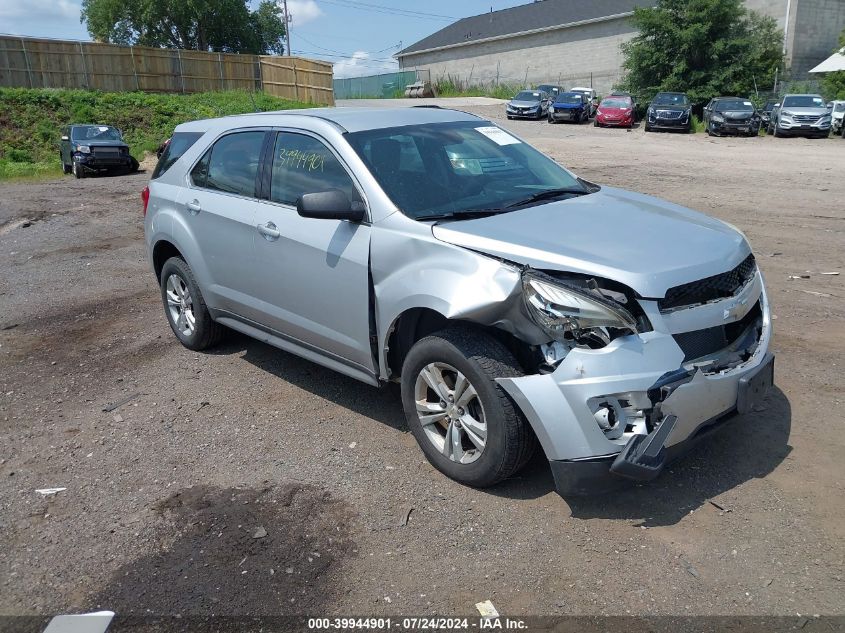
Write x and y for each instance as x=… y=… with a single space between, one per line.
x=94 y=133
x=769 y=106
x=839 y=107
x=440 y=169
x=803 y=101
x=616 y=102
x=527 y=95
x=570 y=97
x=549 y=89
x=670 y=99
x=733 y=105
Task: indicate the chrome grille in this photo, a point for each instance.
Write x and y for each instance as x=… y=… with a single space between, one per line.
x=669 y=114
x=806 y=118
x=710 y=288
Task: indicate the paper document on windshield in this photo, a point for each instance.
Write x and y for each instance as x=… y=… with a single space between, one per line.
x=498 y=135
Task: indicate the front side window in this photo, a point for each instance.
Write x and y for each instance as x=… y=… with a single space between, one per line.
x=443 y=169
x=302 y=164
x=231 y=164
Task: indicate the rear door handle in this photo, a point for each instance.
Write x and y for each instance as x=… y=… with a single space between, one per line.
x=194 y=206
x=269 y=231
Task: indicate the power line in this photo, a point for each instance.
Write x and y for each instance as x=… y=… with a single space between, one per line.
x=331 y=50
x=378 y=8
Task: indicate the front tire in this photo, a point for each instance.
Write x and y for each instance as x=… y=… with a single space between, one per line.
x=466 y=425
x=185 y=307
x=78 y=172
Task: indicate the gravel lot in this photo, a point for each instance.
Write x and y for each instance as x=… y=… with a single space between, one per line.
x=167 y=492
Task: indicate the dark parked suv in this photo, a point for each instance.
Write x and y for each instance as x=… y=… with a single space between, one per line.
x=669 y=111
x=93 y=149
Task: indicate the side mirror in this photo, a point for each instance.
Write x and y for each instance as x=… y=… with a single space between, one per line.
x=329 y=205
x=65 y=138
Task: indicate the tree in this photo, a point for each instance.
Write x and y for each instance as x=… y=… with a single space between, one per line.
x=833 y=84
x=705 y=48
x=206 y=25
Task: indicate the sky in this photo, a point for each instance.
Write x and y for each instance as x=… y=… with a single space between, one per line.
x=358 y=36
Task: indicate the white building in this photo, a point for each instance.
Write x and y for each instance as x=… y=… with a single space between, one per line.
x=577 y=42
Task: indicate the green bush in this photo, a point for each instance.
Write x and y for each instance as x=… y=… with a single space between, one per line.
x=31 y=120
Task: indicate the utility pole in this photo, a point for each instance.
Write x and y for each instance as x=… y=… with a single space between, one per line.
x=287 y=24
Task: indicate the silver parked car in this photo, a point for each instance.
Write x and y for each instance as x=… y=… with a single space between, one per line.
x=528 y=104
x=516 y=303
x=800 y=115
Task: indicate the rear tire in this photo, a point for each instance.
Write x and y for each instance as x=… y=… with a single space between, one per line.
x=185 y=307
x=448 y=422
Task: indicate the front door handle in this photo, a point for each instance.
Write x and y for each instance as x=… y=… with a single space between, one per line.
x=194 y=207
x=269 y=231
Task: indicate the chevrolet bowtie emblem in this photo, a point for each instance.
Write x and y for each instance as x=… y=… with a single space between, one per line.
x=736 y=311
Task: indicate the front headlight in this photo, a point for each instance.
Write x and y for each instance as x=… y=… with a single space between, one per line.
x=650 y=111
x=785 y=113
x=718 y=118
x=825 y=119
x=84 y=149
x=562 y=309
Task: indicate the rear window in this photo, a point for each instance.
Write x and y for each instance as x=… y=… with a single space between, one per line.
x=179 y=144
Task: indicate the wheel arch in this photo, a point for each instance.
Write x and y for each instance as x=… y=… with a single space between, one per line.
x=162 y=251
x=414 y=324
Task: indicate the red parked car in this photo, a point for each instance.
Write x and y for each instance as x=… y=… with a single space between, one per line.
x=615 y=110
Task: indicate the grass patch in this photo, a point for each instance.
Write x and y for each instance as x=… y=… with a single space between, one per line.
x=697 y=125
x=31 y=120
x=452 y=87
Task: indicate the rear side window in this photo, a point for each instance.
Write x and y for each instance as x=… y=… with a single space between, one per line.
x=231 y=164
x=179 y=144
x=302 y=164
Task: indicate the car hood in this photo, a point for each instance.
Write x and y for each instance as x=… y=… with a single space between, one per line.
x=670 y=108
x=814 y=111
x=646 y=243
x=524 y=104
x=101 y=143
x=736 y=114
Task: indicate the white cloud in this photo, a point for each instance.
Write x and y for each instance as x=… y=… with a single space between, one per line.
x=39 y=9
x=301 y=11
x=361 y=64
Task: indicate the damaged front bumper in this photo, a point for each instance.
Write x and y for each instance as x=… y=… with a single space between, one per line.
x=661 y=402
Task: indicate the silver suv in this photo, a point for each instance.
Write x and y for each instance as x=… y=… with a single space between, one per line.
x=801 y=115
x=516 y=303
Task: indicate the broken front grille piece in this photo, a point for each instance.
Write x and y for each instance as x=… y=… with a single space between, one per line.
x=708 y=289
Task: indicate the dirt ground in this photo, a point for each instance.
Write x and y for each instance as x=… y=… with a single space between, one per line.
x=249 y=481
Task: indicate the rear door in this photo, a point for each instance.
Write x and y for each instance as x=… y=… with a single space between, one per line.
x=312 y=275
x=219 y=209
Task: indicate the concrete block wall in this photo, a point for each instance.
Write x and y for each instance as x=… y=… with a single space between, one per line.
x=818 y=24
x=566 y=56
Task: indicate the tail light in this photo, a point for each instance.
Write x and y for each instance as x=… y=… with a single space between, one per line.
x=145 y=198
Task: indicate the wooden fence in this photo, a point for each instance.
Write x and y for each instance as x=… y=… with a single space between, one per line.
x=42 y=63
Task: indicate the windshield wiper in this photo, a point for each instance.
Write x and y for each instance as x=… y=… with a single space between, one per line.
x=461 y=215
x=548 y=194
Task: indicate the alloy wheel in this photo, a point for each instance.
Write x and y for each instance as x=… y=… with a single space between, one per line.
x=180 y=305
x=450 y=412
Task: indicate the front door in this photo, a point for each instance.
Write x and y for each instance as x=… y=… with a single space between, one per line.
x=312 y=275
